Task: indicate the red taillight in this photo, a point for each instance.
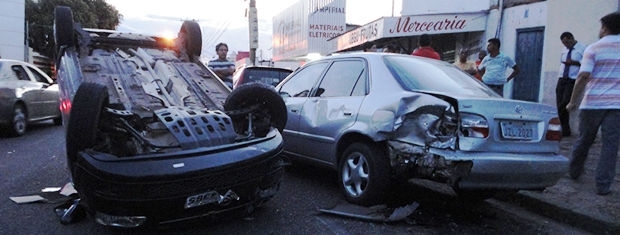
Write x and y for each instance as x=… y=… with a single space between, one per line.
x=65 y=106
x=474 y=126
x=554 y=131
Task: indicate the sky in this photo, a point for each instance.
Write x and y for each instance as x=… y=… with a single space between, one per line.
x=225 y=20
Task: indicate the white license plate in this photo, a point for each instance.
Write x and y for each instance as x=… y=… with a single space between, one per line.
x=202 y=199
x=518 y=130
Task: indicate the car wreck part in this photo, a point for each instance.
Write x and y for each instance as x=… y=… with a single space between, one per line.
x=71 y=211
x=412 y=161
x=378 y=213
x=87 y=106
x=157 y=135
x=264 y=104
x=63 y=30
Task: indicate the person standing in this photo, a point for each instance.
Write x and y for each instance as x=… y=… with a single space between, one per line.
x=493 y=67
x=598 y=83
x=391 y=48
x=569 y=67
x=424 y=48
x=370 y=47
x=481 y=56
x=465 y=65
x=223 y=68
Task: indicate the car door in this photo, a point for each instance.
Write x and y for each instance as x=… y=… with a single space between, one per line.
x=295 y=92
x=47 y=98
x=332 y=108
x=27 y=90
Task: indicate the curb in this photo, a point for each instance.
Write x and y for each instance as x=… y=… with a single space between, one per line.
x=564 y=214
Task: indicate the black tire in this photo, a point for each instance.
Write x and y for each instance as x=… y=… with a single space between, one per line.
x=364 y=174
x=191 y=34
x=63 y=27
x=57 y=121
x=19 y=121
x=271 y=109
x=86 y=109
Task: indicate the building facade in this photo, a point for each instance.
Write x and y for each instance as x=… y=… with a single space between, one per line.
x=529 y=31
x=12 y=39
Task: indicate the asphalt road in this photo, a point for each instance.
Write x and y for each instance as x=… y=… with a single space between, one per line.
x=37 y=160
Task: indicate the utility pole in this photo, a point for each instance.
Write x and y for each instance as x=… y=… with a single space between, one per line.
x=253 y=23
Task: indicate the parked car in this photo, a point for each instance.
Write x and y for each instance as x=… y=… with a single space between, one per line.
x=153 y=137
x=267 y=75
x=382 y=118
x=27 y=95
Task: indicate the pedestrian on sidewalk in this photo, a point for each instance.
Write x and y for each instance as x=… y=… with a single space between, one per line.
x=494 y=66
x=425 y=49
x=221 y=66
x=598 y=83
x=464 y=64
x=570 y=61
x=481 y=55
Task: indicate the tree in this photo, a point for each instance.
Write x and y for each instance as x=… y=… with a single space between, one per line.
x=89 y=13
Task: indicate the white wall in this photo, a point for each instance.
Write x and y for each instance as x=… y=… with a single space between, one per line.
x=12 y=14
x=582 y=19
x=521 y=17
x=422 y=7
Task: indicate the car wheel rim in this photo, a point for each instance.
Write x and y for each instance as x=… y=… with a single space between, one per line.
x=355 y=174
x=19 y=121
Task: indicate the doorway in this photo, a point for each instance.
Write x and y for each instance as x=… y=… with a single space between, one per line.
x=529 y=59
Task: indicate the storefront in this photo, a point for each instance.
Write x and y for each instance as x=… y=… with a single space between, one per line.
x=449 y=32
x=303 y=29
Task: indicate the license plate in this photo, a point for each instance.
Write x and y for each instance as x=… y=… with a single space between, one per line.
x=518 y=130
x=202 y=199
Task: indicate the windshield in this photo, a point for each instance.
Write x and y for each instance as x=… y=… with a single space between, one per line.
x=435 y=76
x=267 y=76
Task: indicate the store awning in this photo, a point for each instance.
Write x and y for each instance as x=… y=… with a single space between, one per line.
x=403 y=26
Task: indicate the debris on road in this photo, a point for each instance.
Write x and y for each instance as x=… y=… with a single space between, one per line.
x=378 y=213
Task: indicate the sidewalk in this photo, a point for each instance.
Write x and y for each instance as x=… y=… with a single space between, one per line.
x=576 y=202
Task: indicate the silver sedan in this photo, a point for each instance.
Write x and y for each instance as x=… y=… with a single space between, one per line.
x=381 y=118
x=27 y=95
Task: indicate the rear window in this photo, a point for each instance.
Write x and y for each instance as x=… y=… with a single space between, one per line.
x=436 y=76
x=267 y=76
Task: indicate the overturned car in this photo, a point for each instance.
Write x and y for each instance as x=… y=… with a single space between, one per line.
x=383 y=118
x=153 y=136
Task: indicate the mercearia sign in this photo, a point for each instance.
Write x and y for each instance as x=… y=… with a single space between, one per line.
x=413 y=25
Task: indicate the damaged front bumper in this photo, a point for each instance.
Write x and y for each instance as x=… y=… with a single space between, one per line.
x=477 y=170
x=174 y=187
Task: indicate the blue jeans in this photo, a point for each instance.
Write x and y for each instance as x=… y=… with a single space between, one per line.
x=589 y=122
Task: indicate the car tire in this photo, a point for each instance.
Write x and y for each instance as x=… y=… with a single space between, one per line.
x=86 y=110
x=57 y=121
x=19 y=122
x=63 y=27
x=364 y=174
x=272 y=110
x=191 y=38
